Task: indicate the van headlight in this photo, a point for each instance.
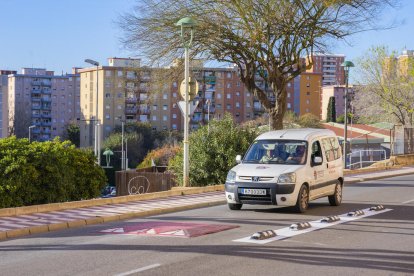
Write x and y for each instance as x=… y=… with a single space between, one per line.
x=231 y=177
x=287 y=178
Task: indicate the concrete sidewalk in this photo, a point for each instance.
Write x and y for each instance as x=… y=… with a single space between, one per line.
x=38 y=222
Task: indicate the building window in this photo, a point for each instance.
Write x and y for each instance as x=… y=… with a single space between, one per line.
x=107 y=116
x=307 y=101
x=247 y=104
x=107 y=95
x=154 y=117
x=228 y=106
x=154 y=107
x=164 y=107
x=119 y=107
x=228 y=85
x=164 y=118
x=175 y=95
x=228 y=75
x=307 y=84
x=120 y=73
x=108 y=73
x=174 y=105
x=307 y=110
x=165 y=96
x=228 y=96
x=237 y=105
x=289 y=105
x=237 y=93
x=248 y=94
x=289 y=84
x=288 y=95
x=120 y=95
x=107 y=106
x=218 y=96
x=238 y=84
x=174 y=126
x=175 y=84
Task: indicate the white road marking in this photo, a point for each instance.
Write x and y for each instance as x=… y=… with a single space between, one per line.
x=408 y=201
x=138 y=270
x=317 y=224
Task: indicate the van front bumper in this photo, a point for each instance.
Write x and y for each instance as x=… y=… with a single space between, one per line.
x=276 y=194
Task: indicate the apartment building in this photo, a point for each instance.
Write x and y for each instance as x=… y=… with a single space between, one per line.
x=329 y=65
x=4 y=109
x=338 y=92
x=45 y=102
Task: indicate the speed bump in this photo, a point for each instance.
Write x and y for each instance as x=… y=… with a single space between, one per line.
x=356 y=213
x=300 y=226
x=331 y=219
x=377 y=208
x=262 y=235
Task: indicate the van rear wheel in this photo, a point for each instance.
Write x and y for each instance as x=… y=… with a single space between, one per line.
x=235 y=206
x=336 y=198
x=302 y=202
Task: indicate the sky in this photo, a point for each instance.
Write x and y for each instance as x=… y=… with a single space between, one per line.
x=61 y=34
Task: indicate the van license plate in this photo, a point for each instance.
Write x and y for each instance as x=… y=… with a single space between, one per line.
x=253 y=191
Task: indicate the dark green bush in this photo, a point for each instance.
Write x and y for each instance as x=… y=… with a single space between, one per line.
x=39 y=173
x=212 y=154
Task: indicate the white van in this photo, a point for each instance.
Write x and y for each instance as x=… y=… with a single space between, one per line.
x=288 y=167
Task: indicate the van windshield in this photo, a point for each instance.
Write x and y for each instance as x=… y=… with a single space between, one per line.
x=277 y=152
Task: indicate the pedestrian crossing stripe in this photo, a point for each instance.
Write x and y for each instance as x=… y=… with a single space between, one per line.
x=287 y=232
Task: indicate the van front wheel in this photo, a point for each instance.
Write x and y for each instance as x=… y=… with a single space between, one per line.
x=235 y=206
x=303 y=199
x=336 y=198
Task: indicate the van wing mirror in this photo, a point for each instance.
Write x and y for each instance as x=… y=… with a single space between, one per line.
x=317 y=160
x=238 y=159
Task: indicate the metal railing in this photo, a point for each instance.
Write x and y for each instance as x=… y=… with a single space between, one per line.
x=364 y=158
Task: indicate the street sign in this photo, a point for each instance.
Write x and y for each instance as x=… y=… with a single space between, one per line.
x=192 y=87
x=191 y=106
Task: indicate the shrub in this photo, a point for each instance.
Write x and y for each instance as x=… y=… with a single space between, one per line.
x=212 y=154
x=160 y=156
x=39 y=173
x=309 y=120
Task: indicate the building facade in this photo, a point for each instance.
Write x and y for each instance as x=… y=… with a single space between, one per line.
x=42 y=101
x=329 y=65
x=338 y=92
x=4 y=106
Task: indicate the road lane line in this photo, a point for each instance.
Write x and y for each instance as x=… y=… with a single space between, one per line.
x=138 y=270
x=286 y=232
x=408 y=201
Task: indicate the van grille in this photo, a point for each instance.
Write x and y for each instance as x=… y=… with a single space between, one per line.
x=260 y=178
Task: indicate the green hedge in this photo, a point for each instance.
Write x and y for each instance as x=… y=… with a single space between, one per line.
x=39 y=173
x=212 y=153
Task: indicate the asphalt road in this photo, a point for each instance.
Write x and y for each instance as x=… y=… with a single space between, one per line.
x=382 y=244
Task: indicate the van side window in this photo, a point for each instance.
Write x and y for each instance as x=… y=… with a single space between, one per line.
x=316 y=150
x=327 y=147
x=336 y=148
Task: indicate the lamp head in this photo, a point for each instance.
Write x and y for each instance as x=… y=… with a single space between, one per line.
x=347 y=64
x=186 y=22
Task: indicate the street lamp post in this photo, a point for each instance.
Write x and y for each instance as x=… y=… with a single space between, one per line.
x=186 y=23
x=208 y=115
x=97 y=148
x=30 y=132
x=347 y=65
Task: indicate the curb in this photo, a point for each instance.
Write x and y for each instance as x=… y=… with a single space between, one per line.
x=356 y=180
x=98 y=220
x=25 y=210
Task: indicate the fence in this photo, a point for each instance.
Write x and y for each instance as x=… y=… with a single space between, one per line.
x=402 y=140
x=141 y=182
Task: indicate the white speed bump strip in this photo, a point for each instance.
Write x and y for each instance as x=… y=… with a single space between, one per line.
x=294 y=230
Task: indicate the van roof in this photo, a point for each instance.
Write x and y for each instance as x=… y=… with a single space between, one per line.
x=296 y=134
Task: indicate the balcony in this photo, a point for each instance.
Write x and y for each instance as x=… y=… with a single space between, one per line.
x=35 y=130
x=36 y=83
x=36 y=99
x=46 y=131
x=131 y=110
x=36 y=115
x=131 y=100
x=46 y=91
x=46 y=124
x=144 y=111
x=36 y=123
x=36 y=107
x=46 y=115
x=46 y=83
x=46 y=107
x=46 y=99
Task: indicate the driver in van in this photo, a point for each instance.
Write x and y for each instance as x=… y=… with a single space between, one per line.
x=299 y=156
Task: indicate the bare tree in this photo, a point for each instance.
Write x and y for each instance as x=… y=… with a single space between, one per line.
x=387 y=87
x=266 y=40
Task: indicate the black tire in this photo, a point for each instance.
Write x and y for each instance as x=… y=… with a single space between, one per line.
x=234 y=206
x=302 y=202
x=336 y=198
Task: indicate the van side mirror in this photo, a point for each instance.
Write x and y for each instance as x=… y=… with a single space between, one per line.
x=317 y=160
x=238 y=159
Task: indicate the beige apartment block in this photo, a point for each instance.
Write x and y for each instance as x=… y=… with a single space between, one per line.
x=338 y=92
x=45 y=102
